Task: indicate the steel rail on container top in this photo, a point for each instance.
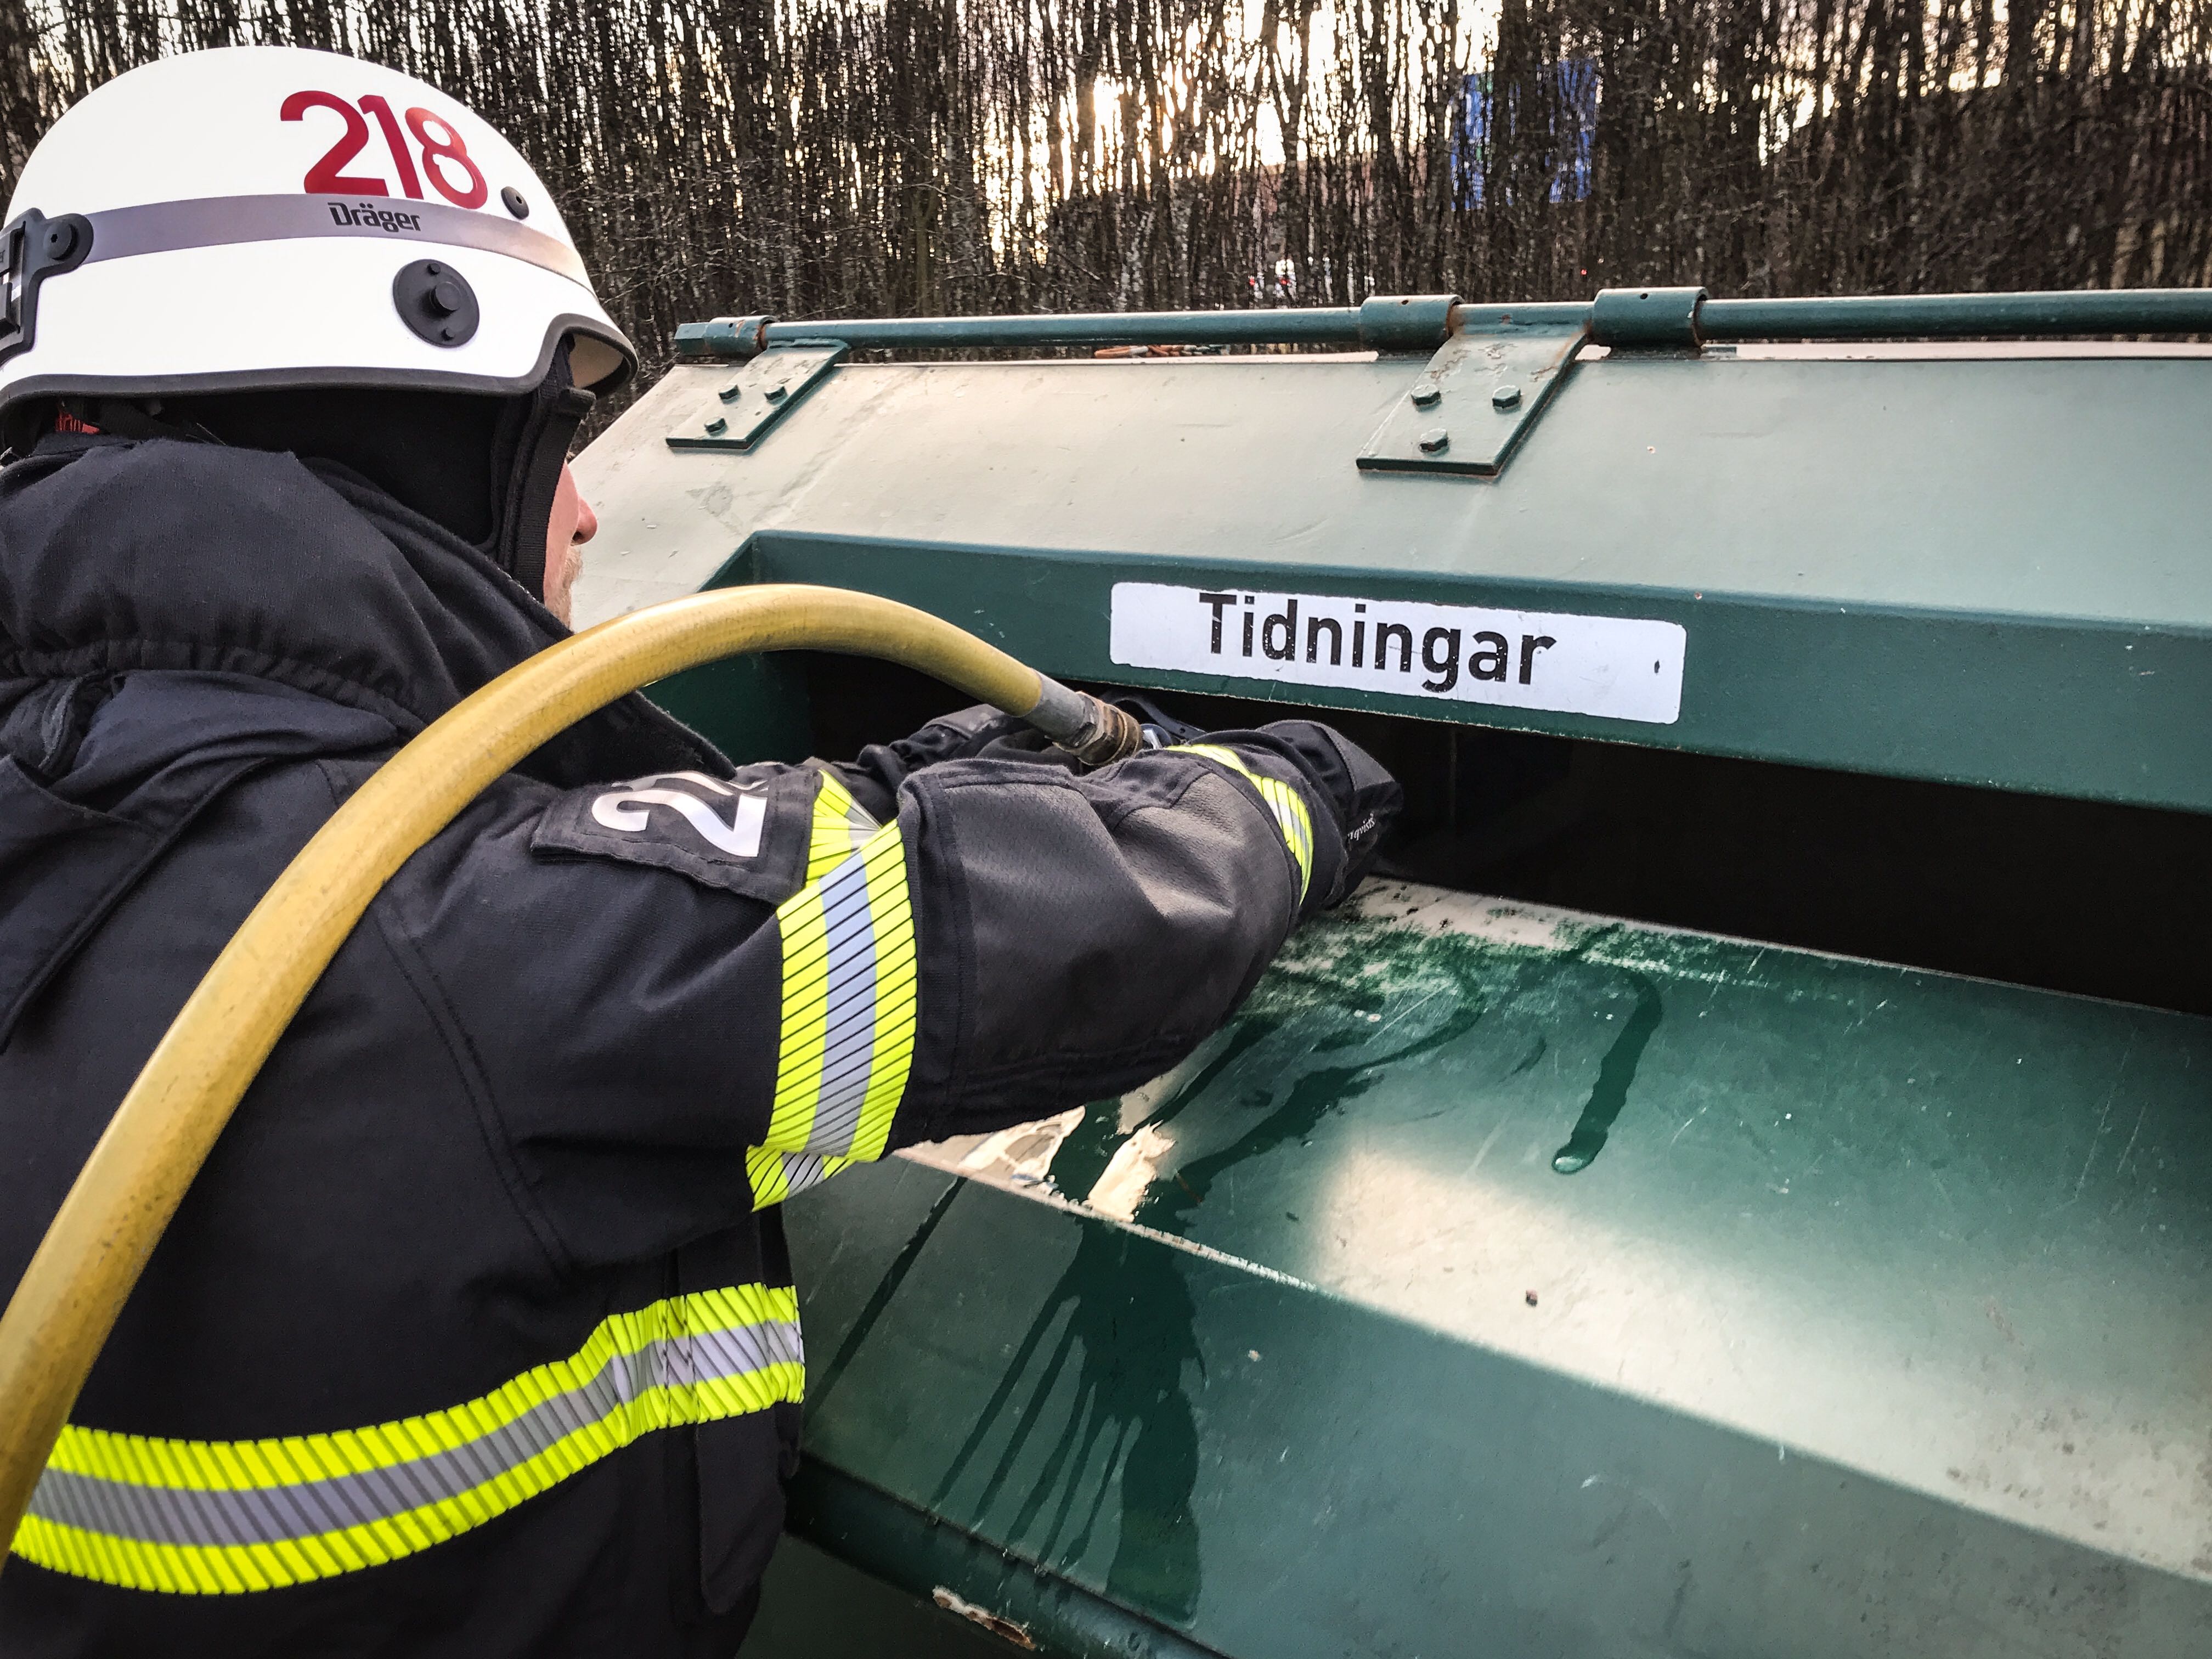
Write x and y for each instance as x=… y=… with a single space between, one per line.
x=1329 y=326
x=1682 y=316
x=1961 y=316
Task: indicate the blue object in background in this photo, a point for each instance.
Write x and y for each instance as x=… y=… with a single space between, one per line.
x=1575 y=117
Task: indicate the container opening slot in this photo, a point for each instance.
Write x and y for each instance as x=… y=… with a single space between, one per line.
x=2065 y=894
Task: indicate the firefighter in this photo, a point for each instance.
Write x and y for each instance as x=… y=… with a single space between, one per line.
x=476 y=1335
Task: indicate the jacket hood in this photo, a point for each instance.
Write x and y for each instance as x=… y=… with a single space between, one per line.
x=118 y=555
x=174 y=617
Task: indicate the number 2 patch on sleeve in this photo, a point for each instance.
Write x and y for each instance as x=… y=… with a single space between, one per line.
x=748 y=833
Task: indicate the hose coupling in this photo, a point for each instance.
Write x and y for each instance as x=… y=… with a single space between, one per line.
x=1093 y=731
x=1112 y=734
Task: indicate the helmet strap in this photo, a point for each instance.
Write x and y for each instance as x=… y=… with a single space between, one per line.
x=529 y=451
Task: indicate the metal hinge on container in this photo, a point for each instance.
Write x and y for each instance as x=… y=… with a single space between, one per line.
x=758 y=395
x=1479 y=394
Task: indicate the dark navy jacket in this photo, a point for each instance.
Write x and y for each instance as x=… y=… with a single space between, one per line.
x=476 y=1335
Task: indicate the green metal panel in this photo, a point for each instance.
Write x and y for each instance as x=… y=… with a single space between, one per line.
x=1870 y=1322
x=814 y=1606
x=1989 y=569
x=1503 y=1279
x=912 y=1559
x=754 y=708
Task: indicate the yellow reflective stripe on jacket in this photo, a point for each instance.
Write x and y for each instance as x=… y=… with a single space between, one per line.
x=846 y=1040
x=214 y=1517
x=1283 y=802
x=841 y=829
x=775 y=1176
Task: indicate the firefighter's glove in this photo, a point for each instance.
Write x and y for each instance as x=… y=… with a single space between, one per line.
x=1364 y=797
x=982 y=731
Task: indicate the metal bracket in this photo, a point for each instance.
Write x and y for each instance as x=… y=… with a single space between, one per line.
x=1473 y=401
x=758 y=395
x=34 y=247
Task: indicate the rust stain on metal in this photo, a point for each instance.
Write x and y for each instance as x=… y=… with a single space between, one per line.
x=1005 y=1629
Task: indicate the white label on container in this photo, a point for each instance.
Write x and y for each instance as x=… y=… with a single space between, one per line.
x=1623 y=668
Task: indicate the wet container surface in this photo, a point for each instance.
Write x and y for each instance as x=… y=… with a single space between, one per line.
x=1507 y=1280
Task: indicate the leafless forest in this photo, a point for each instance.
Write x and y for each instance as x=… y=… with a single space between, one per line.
x=844 y=157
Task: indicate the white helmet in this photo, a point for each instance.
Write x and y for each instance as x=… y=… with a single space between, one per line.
x=269 y=217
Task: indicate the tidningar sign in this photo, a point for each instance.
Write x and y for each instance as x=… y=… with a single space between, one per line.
x=1618 y=667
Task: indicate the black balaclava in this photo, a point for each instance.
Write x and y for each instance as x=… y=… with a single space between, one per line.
x=530 y=445
x=484 y=468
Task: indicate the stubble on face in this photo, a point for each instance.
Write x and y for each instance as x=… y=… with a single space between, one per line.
x=573 y=524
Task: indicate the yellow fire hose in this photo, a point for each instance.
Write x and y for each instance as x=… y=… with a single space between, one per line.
x=91 y=1256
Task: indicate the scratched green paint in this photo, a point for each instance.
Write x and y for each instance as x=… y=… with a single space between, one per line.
x=1344 y=971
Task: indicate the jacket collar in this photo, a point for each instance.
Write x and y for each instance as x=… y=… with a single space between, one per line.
x=120 y=554
x=175 y=616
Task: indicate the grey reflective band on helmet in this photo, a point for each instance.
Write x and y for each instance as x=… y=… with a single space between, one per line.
x=223 y=220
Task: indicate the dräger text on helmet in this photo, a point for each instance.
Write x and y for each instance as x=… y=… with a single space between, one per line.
x=370 y=216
